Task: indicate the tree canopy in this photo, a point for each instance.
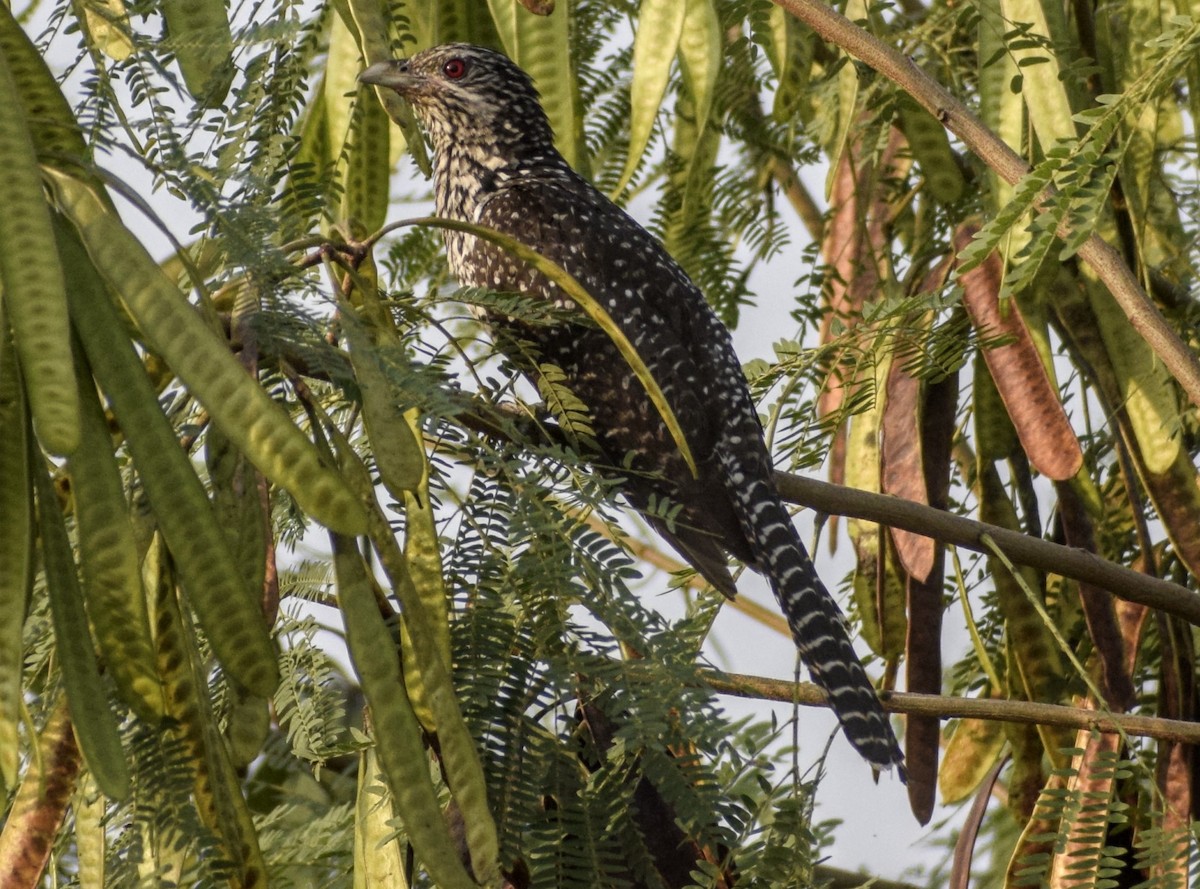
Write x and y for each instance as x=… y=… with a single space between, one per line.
x=302 y=584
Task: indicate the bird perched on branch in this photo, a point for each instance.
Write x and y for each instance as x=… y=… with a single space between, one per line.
x=496 y=166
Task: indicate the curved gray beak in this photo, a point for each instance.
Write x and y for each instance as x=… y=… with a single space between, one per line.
x=393 y=75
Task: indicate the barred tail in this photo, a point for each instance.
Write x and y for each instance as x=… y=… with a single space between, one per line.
x=817 y=624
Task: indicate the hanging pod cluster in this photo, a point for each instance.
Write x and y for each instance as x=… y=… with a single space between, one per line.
x=411 y=694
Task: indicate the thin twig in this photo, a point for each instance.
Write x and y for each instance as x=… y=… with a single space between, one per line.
x=837 y=878
x=991 y=149
x=656 y=558
x=943 y=707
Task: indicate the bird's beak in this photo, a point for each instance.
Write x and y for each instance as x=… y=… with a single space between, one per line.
x=393 y=75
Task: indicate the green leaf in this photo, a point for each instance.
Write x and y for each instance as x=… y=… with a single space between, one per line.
x=541 y=45
x=659 y=28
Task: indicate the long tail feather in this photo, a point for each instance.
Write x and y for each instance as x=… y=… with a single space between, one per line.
x=817 y=625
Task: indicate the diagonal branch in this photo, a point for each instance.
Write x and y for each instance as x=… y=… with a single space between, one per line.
x=958 y=119
x=1066 y=561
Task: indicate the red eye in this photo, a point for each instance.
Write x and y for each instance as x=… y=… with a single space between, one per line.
x=454 y=69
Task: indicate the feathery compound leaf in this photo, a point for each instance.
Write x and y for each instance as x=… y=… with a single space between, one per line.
x=1080 y=858
x=1026 y=194
x=572 y=415
x=255 y=423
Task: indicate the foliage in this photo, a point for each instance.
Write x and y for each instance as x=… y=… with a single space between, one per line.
x=523 y=717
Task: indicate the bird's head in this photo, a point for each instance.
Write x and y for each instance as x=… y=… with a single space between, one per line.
x=467 y=95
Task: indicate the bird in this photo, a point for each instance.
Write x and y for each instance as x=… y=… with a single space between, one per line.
x=496 y=165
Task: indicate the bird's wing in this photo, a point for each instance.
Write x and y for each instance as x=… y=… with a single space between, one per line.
x=627 y=271
x=664 y=316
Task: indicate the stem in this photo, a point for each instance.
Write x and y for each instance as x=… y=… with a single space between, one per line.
x=944 y=707
x=958 y=119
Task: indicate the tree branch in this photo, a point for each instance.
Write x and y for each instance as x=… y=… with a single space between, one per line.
x=831 y=499
x=836 y=878
x=1065 y=561
x=943 y=707
x=1077 y=564
x=958 y=119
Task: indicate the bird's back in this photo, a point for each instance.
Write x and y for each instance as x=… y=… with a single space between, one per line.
x=665 y=318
